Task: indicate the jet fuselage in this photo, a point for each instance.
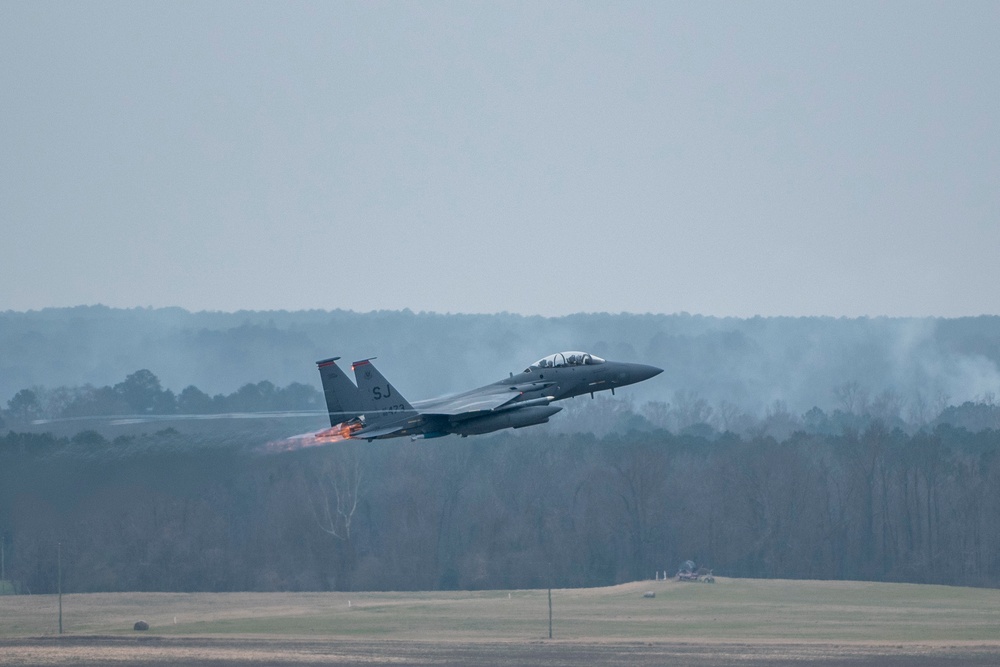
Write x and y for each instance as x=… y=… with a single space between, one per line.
x=375 y=409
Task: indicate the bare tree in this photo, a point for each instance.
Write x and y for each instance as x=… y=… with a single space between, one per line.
x=887 y=406
x=335 y=498
x=690 y=409
x=919 y=412
x=657 y=412
x=852 y=397
x=779 y=423
x=727 y=415
x=941 y=400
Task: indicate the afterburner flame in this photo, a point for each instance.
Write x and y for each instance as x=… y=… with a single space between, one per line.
x=337 y=433
x=343 y=431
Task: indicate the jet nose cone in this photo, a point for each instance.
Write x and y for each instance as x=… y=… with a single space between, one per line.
x=632 y=373
x=645 y=372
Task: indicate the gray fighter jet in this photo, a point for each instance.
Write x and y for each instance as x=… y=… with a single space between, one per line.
x=375 y=409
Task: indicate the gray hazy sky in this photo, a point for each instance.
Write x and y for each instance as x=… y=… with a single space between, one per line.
x=725 y=159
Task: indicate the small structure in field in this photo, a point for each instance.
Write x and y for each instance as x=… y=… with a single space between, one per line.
x=688 y=571
x=141 y=625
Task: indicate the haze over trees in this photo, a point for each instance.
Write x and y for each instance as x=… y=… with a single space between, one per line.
x=142 y=394
x=915 y=367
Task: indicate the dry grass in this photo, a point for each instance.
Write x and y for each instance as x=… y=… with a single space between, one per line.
x=729 y=610
x=732 y=620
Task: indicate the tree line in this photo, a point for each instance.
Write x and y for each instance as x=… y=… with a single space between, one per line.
x=168 y=511
x=141 y=393
x=906 y=364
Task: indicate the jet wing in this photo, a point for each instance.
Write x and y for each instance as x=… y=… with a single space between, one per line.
x=486 y=399
x=452 y=408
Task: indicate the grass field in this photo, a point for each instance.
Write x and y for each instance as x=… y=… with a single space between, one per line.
x=777 y=618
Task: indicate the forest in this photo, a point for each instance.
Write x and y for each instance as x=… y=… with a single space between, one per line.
x=769 y=447
x=165 y=511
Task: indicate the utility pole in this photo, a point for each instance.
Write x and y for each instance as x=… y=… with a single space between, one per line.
x=59 y=584
x=550 y=614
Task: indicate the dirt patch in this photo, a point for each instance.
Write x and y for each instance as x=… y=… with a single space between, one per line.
x=229 y=651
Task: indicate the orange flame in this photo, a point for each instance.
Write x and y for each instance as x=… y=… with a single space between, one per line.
x=338 y=433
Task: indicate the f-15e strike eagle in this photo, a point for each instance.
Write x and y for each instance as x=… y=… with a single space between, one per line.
x=375 y=409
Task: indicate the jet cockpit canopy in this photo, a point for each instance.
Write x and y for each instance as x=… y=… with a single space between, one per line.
x=561 y=359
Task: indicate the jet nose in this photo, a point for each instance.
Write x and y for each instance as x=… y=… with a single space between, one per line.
x=644 y=372
x=632 y=373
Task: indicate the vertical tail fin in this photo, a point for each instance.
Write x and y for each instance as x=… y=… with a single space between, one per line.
x=379 y=400
x=342 y=398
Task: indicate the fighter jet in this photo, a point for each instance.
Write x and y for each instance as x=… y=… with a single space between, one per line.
x=374 y=408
